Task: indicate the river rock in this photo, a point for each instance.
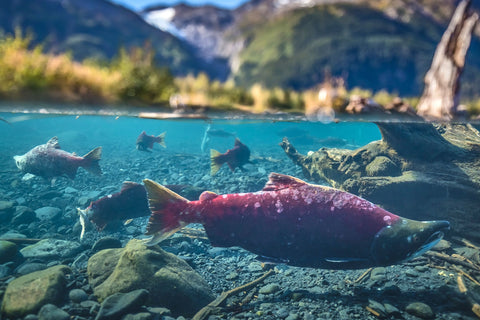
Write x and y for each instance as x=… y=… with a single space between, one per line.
x=30 y=267
x=106 y=243
x=382 y=166
x=23 y=215
x=27 y=294
x=8 y=251
x=52 y=249
x=172 y=283
x=119 y=304
x=52 y=312
x=420 y=310
x=48 y=213
x=6 y=210
x=269 y=288
x=77 y=295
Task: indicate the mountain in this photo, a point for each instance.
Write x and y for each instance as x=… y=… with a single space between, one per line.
x=375 y=44
x=95 y=29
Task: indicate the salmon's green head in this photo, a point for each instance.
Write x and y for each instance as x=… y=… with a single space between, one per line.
x=406 y=239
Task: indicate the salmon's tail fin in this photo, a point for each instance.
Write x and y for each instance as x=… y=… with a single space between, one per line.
x=160 y=139
x=91 y=160
x=167 y=208
x=215 y=161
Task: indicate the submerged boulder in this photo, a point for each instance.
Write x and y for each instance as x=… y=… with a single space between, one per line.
x=27 y=294
x=418 y=170
x=170 y=281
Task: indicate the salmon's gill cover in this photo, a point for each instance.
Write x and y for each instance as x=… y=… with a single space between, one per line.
x=166 y=207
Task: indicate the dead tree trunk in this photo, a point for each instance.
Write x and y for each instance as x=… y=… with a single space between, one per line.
x=442 y=82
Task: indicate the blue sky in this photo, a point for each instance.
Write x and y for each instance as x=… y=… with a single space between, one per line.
x=140 y=4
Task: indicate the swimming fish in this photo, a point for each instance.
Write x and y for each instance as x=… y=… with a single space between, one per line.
x=49 y=160
x=145 y=141
x=235 y=157
x=296 y=223
x=130 y=202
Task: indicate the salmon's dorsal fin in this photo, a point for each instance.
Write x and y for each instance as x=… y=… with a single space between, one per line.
x=53 y=143
x=277 y=181
x=127 y=185
x=207 y=195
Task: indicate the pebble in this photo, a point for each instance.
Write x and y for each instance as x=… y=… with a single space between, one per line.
x=8 y=251
x=48 y=213
x=411 y=273
x=52 y=312
x=138 y=316
x=106 y=243
x=232 y=276
x=30 y=267
x=421 y=310
x=442 y=245
x=378 y=274
x=23 y=215
x=6 y=205
x=118 y=304
x=255 y=266
x=269 y=288
x=70 y=190
x=77 y=295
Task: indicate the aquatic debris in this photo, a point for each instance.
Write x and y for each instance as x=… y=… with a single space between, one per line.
x=145 y=141
x=235 y=157
x=461 y=285
x=205 y=311
x=129 y=202
x=209 y=132
x=343 y=230
x=49 y=161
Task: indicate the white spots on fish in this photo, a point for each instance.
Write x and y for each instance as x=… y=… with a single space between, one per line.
x=224 y=196
x=409 y=238
x=279 y=206
x=387 y=219
x=257 y=205
x=241 y=194
x=332 y=208
x=109 y=196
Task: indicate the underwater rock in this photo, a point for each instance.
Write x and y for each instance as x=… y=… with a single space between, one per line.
x=119 y=304
x=23 y=215
x=269 y=288
x=382 y=166
x=172 y=283
x=52 y=249
x=27 y=294
x=77 y=295
x=432 y=172
x=52 y=312
x=6 y=210
x=421 y=310
x=30 y=267
x=8 y=251
x=106 y=243
x=48 y=213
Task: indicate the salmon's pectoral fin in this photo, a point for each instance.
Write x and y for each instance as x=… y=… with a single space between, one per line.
x=91 y=160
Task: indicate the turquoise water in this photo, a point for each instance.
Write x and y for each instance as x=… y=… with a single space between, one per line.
x=186 y=161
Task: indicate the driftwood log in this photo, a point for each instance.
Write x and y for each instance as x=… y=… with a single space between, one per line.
x=442 y=82
x=420 y=170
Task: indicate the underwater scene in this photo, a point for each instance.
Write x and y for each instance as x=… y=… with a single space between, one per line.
x=124 y=217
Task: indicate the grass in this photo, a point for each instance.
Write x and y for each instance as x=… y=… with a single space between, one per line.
x=133 y=77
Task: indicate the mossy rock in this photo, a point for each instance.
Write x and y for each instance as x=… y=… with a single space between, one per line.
x=171 y=282
x=27 y=294
x=382 y=166
x=8 y=251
